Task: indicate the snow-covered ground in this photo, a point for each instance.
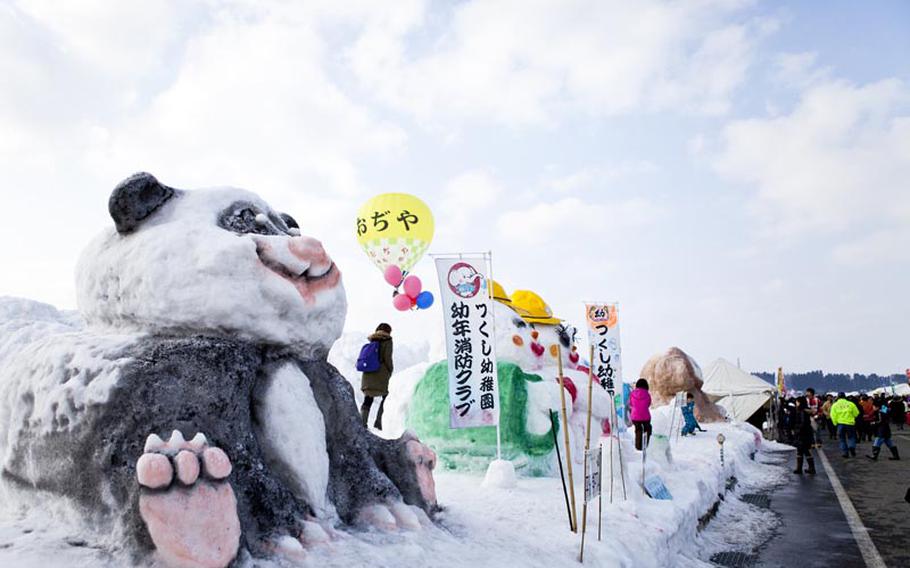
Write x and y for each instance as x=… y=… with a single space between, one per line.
x=482 y=526
x=524 y=526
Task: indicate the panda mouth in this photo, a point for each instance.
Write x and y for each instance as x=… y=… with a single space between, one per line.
x=311 y=274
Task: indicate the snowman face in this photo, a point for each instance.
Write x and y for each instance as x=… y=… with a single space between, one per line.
x=513 y=337
x=558 y=341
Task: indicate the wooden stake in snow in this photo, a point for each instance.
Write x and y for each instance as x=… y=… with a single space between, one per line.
x=554 y=422
x=565 y=422
x=584 y=507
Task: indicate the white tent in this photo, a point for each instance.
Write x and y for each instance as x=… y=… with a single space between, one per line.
x=740 y=393
x=902 y=389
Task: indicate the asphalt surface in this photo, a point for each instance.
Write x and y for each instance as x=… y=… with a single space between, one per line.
x=815 y=532
x=877 y=490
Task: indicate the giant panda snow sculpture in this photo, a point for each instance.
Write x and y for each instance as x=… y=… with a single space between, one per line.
x=195 y=414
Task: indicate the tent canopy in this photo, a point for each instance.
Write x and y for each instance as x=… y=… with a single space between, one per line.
x=900 y=390
x=740 y=393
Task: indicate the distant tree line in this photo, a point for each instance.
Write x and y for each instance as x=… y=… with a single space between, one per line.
x=828 y=382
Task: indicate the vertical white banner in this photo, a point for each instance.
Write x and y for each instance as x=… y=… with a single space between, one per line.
x=593 y=463
x=603 y=334
x=468 y=316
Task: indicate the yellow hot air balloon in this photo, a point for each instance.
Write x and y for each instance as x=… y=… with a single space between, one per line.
x=394 y=229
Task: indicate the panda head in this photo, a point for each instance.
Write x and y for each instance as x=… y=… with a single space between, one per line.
x=214 y=261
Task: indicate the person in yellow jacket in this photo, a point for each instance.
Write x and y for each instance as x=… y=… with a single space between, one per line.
x=843 y=415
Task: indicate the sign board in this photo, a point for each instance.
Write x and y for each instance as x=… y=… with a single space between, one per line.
x=656 y=489
x=468 y=315
x=593 y=462
x=603 y=334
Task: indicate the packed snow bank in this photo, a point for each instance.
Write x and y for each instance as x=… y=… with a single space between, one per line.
x=523 y=526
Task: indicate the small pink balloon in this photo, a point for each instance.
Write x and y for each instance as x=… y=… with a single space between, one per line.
x=412 y=286
x=402 y=302
x=392 y=275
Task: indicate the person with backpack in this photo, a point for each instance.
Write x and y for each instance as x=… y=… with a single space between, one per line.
x=375 y=364
x=640 y=405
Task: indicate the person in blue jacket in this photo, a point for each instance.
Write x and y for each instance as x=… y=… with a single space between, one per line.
x=688 y=412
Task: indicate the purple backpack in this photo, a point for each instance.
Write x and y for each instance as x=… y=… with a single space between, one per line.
x=368 y=361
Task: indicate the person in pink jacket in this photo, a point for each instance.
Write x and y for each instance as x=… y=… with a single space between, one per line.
x=640 y=404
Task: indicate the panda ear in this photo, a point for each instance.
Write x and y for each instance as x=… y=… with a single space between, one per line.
x=289 y=221
x=135 y=199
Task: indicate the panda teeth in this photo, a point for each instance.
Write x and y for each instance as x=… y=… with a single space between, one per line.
x=309 y=275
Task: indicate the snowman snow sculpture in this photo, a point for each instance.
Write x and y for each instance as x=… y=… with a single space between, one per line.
x=207 y=316
x=527 y=336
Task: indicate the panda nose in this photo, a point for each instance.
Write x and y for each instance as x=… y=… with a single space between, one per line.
x=309 y=252
x=296 y=257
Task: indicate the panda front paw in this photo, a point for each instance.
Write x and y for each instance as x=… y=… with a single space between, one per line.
x=187 y=505
x=391 y=517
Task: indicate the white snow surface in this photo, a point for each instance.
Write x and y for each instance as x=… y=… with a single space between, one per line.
x=179 y=272
x=293 y=429
x=491 y=527
x=481 y=526
x=52 y=369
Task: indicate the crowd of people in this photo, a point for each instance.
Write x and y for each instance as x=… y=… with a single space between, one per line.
x=851 y=420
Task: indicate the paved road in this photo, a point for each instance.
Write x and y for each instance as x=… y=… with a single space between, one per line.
x=877 y=491
x=814 y=532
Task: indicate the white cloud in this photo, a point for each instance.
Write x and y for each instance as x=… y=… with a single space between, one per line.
x=838 y=162
x=475 y=189
x=552 y=222
x=244 y=97
x=599 y=58
x=891 y=245
x=594 y=177
x=799 y=69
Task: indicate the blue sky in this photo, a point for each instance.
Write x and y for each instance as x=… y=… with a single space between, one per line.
x=733 y=172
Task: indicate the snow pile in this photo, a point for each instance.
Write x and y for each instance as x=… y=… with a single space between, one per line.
x=500 y=474
x=52 y=370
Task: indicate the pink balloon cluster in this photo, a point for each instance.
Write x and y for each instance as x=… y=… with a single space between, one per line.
x=414 y=296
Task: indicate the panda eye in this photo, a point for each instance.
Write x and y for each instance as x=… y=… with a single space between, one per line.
x=245 y=218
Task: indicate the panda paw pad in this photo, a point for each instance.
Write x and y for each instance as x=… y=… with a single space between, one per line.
x=188 y=508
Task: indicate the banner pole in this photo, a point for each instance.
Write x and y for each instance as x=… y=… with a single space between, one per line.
x=584 y=507
x=612 y=434
x=489 y=257
x=600 y=481
x=584 y=516
x=565 y=420
x=622 y=469
x=554 y=421
x=644 y=455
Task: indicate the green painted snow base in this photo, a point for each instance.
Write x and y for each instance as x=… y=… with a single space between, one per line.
x=473 y=448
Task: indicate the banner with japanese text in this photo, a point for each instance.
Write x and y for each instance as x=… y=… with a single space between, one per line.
x=468 y=316
x=593 y=463
x=603 y=334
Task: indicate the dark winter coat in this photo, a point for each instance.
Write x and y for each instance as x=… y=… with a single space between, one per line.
x=898 y=412
x=802 y=428
x=881 y=425
x=376 y=383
